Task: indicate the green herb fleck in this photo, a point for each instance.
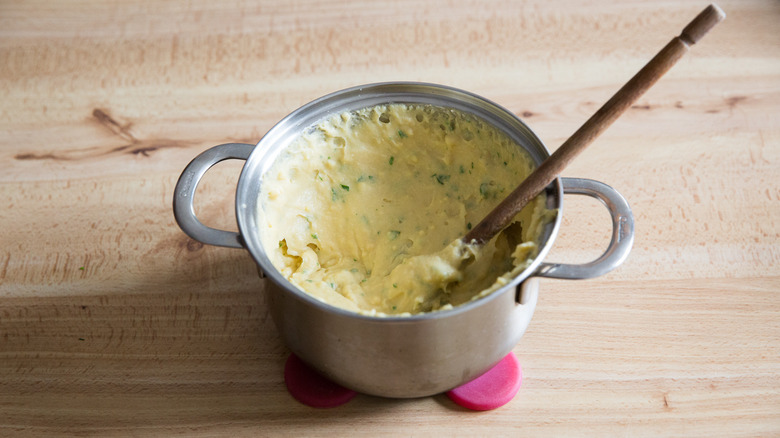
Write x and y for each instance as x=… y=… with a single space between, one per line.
x=81 y=339
x=314 y=236
x=441 y=179
x=393 y=234
x=394 y=307
x=395 y=285
x=392 y=159
x=402 y=134
x=483 y=190
x=462 y=170
x=345 y=187
x=81 y=268
x=505 y=163
x=333 y=195
x=468 y=225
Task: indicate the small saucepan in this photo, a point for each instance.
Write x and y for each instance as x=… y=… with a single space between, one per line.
x=398 y=356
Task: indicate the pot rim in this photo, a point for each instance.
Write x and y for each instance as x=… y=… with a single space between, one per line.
x=316 y=110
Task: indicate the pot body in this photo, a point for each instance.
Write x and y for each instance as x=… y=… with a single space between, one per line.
x=403 y=357
x=410 y=356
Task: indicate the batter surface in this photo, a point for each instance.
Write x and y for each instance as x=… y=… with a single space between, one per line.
x=365 y=211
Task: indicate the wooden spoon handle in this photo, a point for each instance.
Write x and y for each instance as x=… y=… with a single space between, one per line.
x=502 y=215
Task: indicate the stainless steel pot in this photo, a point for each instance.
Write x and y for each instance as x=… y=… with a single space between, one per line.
x=410 y=356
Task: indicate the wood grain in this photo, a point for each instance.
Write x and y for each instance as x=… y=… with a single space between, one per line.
x=113 y=323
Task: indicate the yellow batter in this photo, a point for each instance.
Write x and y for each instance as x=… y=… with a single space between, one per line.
x=365 y=211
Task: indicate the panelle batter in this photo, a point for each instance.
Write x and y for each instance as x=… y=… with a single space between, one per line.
x=365 y=211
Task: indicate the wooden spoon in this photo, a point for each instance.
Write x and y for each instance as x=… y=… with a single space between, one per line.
x=502 y=215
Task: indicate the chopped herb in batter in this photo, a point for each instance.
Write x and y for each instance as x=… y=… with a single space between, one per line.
x=441 y=179
x=484 y=190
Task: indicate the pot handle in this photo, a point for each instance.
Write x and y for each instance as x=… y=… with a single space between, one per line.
x=622 y=233
x=183 y=195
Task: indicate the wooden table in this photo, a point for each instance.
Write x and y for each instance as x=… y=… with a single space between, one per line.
x=113 y=322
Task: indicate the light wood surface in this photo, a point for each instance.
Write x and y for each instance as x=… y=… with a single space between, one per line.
x=114 y=323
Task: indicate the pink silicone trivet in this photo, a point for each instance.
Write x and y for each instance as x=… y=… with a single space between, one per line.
x=310 y=388
x=493 y=389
